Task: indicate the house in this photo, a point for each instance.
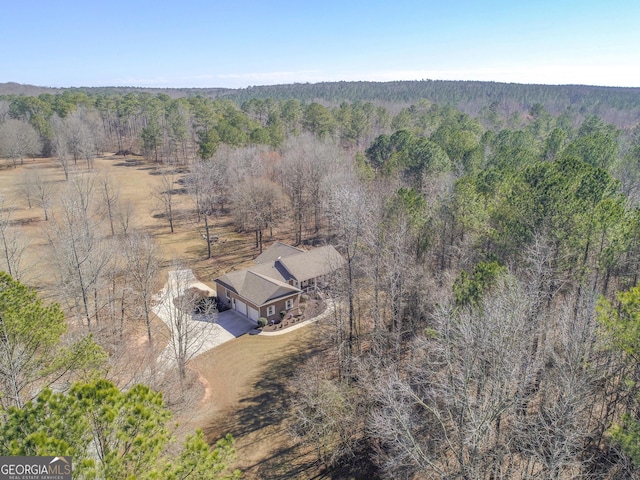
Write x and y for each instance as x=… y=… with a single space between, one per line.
x=274 y=284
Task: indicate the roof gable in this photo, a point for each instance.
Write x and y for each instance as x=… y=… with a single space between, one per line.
x=260 y=289
x=255 y=287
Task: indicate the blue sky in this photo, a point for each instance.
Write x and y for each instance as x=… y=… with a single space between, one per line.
x=235 y=44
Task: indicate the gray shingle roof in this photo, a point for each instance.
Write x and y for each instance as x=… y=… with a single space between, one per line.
x=255 y=287
x=277 y=250
x=313 y=263
x=267 y=280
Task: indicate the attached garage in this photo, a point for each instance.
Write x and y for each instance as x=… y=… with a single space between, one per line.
x=253 y=294
x=241 y=307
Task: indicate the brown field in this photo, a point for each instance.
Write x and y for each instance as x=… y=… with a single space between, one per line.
x=242 y=384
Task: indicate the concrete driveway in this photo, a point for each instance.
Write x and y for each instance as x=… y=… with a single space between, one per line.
x=234 y=324
x=209 y=330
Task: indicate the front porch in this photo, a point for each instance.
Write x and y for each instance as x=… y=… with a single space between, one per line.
x=308 y=310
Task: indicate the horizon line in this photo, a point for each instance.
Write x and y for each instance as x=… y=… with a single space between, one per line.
x=11 y=82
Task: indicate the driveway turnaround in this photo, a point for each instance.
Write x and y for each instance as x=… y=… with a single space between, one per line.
x=209 y=330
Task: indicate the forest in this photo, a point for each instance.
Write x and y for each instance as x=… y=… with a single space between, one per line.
x=486 y=324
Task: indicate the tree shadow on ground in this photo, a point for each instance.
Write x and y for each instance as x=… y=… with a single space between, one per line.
x=262 y=416
x=298 y=462
x=269 y=403
x=173 y=171
x=129 y=163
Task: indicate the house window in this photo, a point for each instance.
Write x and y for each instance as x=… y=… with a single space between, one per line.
x=271 y=309
x=227 y=290
x=289 y=304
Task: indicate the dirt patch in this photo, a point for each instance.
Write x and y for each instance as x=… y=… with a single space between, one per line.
x=206 y=397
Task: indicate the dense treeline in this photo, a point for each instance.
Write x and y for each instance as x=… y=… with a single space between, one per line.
x=478 y=328
x=166 y=129
x=75 y=124
x=456 y=93
x=470 y=345
x=617 y=105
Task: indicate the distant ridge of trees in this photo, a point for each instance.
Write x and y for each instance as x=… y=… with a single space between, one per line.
x=448 y=92
x=13 y=88
x=618 y=105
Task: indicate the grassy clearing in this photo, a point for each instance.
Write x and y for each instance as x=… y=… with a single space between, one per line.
x=247 y=396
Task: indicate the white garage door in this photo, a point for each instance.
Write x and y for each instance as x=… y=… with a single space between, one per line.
x=253 y=313
x=241 y=307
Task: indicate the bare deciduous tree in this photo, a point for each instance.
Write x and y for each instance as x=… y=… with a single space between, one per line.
x=80 y=250
x=110 y=195
x=559 y=426
x=80 y=138
x=242 y=162
x=5 y=108
x=18 y=139
x=207 y=184
x=308 y=164
x=143 y=267
x=24 y=187
x=476 y=401
x=257 y=205
x=13 y=243
x=449 y=413
x=41 y=189
x=124 y=214
x=60 y=145
x=164 y=193
x=189 y=332
x=325 y=414
x=349 y=214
